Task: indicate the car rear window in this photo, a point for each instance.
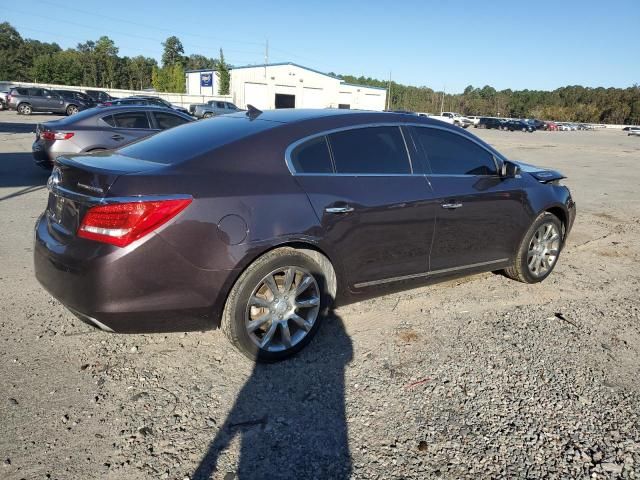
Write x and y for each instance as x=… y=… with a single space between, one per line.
x=312 y=157
x=196 y=138
x=371 y=150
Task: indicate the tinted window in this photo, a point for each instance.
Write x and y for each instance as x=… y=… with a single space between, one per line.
x=109 y=120
x=370 y=150
x=166 y=120
x=34 y=92
x=179 y=144
x=452 y=154
x=220 y=104
x=312 y=157
x=131 y=120
x=231 y=106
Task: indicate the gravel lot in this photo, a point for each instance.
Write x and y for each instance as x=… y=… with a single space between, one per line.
x=477 y=378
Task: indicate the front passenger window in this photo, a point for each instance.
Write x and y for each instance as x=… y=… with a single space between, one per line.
x=452 y=154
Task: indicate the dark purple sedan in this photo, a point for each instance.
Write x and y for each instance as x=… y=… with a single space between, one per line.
x=259 y=222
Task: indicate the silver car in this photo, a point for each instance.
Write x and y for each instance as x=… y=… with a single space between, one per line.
x=101 y=128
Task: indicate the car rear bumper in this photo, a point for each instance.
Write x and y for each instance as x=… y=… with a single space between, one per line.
x=138 y=289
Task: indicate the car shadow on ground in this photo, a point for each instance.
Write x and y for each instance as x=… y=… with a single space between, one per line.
x=290 y=417
x=19 y=170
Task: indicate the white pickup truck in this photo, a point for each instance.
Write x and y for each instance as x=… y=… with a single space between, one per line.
x=454 y=118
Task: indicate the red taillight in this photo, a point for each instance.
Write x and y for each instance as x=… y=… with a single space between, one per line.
x=49 y=135
x=122 y=223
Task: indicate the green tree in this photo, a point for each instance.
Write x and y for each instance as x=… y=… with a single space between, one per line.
x=10 y=42
x=224 y=76
x=199 y=62
x=173 y=52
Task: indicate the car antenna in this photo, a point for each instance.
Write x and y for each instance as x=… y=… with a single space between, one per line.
x=253 y=112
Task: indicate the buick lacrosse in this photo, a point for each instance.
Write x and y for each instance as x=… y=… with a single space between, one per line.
x=259 y=222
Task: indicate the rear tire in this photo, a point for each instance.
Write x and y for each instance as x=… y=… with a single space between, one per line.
x=539 y=250
x=25 y=109
x=269 y=326
x=207 y=115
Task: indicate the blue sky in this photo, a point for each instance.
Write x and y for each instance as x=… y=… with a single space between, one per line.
x=506 y=44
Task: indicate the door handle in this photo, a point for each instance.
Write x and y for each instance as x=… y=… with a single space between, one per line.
x=345 y=209
x=451 y=206
x=117 y=137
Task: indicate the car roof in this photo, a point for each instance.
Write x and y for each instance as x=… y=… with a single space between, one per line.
x=294 y=115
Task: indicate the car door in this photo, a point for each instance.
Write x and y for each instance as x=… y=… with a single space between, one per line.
x=51 y=101
x=480 y=218
x=125 y=128
x=375 y=209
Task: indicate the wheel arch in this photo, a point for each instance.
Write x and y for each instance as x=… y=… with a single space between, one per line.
x=562 y=215
x=309 y=248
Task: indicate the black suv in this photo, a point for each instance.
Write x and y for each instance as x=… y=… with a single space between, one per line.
x=490 y=122
x=27 y=100
x=513 y=125
x=98 y=96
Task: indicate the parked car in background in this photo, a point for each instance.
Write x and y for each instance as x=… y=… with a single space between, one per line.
x=537 y=124
x=3 y=99
x=26 y=100
x=489 y=122
x=633 y=131
x=522 y=125
x=474 y=120
x=551 y=126
x=144 y=100
x=99 y=96
x=99 y=129
x=455 y=118
x=77 y=100
x=212 y=108
x=259 y=222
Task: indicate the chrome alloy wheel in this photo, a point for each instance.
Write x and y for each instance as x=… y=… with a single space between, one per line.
x=282 y=309
x=543 y=249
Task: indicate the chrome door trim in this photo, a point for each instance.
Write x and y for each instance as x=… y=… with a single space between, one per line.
x=428 y=274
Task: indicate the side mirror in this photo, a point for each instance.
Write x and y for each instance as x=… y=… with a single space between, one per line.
x=509 y=170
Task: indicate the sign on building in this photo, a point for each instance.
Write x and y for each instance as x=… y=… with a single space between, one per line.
x=206 y=79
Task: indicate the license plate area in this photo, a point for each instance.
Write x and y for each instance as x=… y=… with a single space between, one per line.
x=63 y=214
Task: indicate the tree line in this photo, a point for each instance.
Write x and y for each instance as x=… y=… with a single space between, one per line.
x=571 y=103
x=97 y=64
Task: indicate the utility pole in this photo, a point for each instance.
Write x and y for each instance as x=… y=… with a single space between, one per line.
x=444 y=88
x=389 y=91
x=266 y=57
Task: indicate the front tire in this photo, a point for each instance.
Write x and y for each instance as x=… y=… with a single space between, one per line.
x=274 y=309
x=72 y=110
x=207 y=115
x=539 y=250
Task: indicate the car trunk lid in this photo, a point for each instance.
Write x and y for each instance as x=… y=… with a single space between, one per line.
x=81 y=181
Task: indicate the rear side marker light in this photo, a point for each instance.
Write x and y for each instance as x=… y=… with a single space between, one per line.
x=120 y=224
x=48 y=135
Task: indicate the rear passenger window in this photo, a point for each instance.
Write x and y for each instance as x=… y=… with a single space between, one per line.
x=109 y=120
x=371 y=150
x=166 y=120
x=220 y=104
x=131 y=120
x=312 y=157
x=451 y=154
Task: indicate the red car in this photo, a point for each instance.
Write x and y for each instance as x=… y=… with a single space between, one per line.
x=551 y=126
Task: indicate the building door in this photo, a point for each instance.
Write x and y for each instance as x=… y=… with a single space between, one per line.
x=285 y=101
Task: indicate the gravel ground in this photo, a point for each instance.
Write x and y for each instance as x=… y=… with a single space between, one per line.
x=481 y=377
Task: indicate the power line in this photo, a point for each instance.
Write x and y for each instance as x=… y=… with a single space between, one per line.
x=170 y=30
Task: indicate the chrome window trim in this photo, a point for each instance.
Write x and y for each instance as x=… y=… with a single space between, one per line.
x=325 y=133
x=428 y=274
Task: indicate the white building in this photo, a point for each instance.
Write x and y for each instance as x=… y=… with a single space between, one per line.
x=287 y=85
